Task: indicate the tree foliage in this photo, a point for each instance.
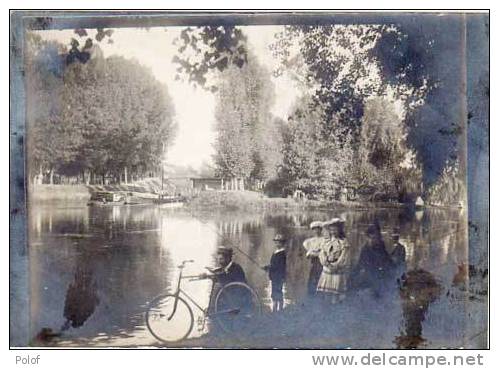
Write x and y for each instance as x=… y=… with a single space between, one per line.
x=428 y=54
x=44 y=69
x=338 y=64
x=323 y=165
x=302 y=146
x=382 y=142
x=386 y=163
x=417 y=61
x=373 y=101
x=246 y=145
x=99 y=116
x=204 y=52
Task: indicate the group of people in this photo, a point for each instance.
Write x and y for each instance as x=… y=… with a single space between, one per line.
x=333 y=270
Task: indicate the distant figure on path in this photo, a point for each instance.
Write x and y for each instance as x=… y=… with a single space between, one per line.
x=335 y=257
x=313 y=246
x=277 y=272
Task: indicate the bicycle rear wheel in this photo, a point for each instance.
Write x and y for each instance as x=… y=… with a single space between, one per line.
x=168 y=325
x=236 y=307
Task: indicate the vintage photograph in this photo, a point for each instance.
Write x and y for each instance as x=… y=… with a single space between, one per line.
x=249 y=180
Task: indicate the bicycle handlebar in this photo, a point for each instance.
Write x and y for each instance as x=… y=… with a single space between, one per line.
x=185 y=262
x=196 y=277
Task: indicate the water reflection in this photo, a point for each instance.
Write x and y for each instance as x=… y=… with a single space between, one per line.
x=417 y=291
x=81 y=296
x=97 y=268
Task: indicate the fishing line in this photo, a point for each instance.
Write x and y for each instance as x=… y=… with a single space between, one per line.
x=236 y=247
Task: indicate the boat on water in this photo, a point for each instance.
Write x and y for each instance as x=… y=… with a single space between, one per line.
x=103 y=198
x=168 y=199
x=134 y=199
x=168 y=202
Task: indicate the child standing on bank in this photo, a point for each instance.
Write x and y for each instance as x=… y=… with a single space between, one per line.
x=277 y=272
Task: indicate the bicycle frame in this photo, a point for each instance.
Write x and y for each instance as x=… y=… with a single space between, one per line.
x=179 y=291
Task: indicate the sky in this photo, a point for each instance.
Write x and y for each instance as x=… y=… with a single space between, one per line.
x=194 y=107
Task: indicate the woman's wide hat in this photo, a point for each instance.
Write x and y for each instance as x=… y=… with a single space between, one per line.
x=316 y=224
x=334 y=222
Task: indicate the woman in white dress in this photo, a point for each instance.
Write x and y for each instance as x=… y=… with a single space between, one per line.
x=336 y=258
x=313 y=246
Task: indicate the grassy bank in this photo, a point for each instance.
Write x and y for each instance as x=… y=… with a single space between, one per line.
x=248 y=200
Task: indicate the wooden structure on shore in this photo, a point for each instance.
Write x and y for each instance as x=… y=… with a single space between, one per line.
x=211 y=183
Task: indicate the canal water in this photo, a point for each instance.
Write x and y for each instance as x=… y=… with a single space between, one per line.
x=94 y=270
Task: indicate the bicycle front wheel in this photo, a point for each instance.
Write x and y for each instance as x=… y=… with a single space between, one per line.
x=169 y=323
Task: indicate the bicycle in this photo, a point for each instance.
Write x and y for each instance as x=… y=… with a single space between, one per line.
x=169 y=316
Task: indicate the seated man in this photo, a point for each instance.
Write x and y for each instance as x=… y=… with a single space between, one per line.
x=228 y=271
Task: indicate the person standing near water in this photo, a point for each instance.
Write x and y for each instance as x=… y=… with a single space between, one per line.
x=375 y=266
x=313 y=246
x=277 y=272
x=335 y=257
x=398 y=253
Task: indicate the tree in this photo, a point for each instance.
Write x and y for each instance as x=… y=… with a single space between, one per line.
x=217 y=59
x=448 y=189
x=245 y=147
x=123 y=114
x=105 y=116
x=416 y=62
x=233 y=149
x=386 y=162
x=339 y=67
x=343 y=70
x=427 y=54
x=382 y=135
x=267 y=154
x=44 y=68
x=302 y=146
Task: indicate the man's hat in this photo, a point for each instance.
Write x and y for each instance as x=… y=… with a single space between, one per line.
x=316 y=224
x=279 y=237
x=222 y=250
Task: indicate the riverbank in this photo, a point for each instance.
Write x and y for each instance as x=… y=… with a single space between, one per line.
x=67 y=193
x=249 y=200
x=205 y=200
x=82 y=193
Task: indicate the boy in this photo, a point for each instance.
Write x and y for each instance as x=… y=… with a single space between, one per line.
x=277 y=272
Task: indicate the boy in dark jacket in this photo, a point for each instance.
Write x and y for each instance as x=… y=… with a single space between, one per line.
x=277 y=272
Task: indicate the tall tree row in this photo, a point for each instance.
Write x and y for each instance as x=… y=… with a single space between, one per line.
x=94 y=119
